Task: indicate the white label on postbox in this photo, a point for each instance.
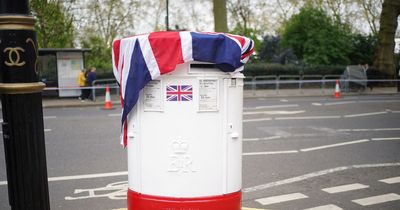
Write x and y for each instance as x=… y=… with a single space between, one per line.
x=208 y=95
x=152 y=98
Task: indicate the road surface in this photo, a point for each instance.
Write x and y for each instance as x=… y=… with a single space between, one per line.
x=298 y=153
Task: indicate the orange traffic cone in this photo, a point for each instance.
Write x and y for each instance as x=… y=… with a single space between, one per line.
x=108 y=104
x=337 y=90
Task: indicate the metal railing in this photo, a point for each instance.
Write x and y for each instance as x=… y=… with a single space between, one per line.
x=301 y=82
x=99 y=84
x=102 y=83
x=266 y=82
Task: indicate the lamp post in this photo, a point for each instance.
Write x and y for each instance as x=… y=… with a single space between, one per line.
x=21 y=99
x=167 y=15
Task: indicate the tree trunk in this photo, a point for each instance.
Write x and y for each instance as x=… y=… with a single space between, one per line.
x=220 y=20
x=384 y=57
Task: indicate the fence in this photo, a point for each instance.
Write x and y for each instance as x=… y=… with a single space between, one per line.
x=302 y=82
x=98 y=87
x=268 y=82
x=102 y=83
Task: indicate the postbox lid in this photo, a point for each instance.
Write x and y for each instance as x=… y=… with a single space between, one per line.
x=142 y=58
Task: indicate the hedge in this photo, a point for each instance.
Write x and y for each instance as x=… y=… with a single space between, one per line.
x=258 y=69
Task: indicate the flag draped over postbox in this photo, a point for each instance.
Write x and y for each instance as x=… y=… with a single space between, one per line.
x=142 y=58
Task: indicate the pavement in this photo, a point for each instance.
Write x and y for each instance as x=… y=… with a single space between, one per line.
x=269 y=93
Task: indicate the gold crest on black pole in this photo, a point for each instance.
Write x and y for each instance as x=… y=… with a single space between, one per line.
x=21 y=99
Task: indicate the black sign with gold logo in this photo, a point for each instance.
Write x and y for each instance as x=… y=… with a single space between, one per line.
x=18 y=50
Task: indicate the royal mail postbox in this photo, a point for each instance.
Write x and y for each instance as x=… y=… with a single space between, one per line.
x=182 y=99
x=185 y=141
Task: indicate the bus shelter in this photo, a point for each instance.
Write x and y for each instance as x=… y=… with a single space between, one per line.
x=59 y=68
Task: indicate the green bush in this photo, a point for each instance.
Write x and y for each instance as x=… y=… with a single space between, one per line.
x=104 y=73
x=261 y=69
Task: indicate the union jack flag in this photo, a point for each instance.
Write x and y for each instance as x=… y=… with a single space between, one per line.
x=179 y=93
x=142 y=58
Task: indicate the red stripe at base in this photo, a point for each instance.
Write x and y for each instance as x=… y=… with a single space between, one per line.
x=138 y=201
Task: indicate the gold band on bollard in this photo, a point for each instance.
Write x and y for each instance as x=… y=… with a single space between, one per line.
x=17 y=22
x=21 y=88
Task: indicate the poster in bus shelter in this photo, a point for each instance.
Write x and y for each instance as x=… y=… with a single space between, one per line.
x=69 y=64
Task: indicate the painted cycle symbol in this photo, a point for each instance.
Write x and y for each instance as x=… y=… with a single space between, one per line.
x=113 y=191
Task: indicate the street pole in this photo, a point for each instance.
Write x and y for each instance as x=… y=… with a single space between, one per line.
x=167 y=15
x=21 y=99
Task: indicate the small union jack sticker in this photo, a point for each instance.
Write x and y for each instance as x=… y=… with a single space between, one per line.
x=179 y=93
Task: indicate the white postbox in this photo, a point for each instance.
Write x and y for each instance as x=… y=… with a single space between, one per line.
x=185 y=141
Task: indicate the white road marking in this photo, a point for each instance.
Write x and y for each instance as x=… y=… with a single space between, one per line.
x=88 y=176
x=377 y=199
x=45 y=130
x=84 y=176
x=365 y=114
x=257 y=119
x=284 y=100
x=396 y=112
x=369 y=129
x=272 y=106
x=262 y=139
x=339 y=103
x=379 y=101
x=281 y=198
x=115 y=115
x=393 y=180
x=345 y=188
x=315 y=174
x=44 y=117
x=274 y=112
x=113 y=191
x=307 y=118
x=49 y=117
x=385 y=139
x=270 y=152
x=326 y=207
x=316 y=104
x=334 y=145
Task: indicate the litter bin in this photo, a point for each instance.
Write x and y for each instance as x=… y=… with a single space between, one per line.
x=184 y=138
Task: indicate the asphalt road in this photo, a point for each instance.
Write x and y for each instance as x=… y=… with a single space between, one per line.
x=298 y=153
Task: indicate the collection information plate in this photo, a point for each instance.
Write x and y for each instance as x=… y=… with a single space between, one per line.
x=152 y=96
x=208 y=95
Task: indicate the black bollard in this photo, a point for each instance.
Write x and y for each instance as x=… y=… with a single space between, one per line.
x=21 y=99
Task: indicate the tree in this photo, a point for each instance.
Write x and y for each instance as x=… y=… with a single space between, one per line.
x=363 y=48
x=220 y=20
x=384 y=59
x=315 y=38
x=271 y=51
x=106 y=20
x=242 y=11
x=370 y=10
x=111 y=18
x=100 y=55
x=54 y=24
